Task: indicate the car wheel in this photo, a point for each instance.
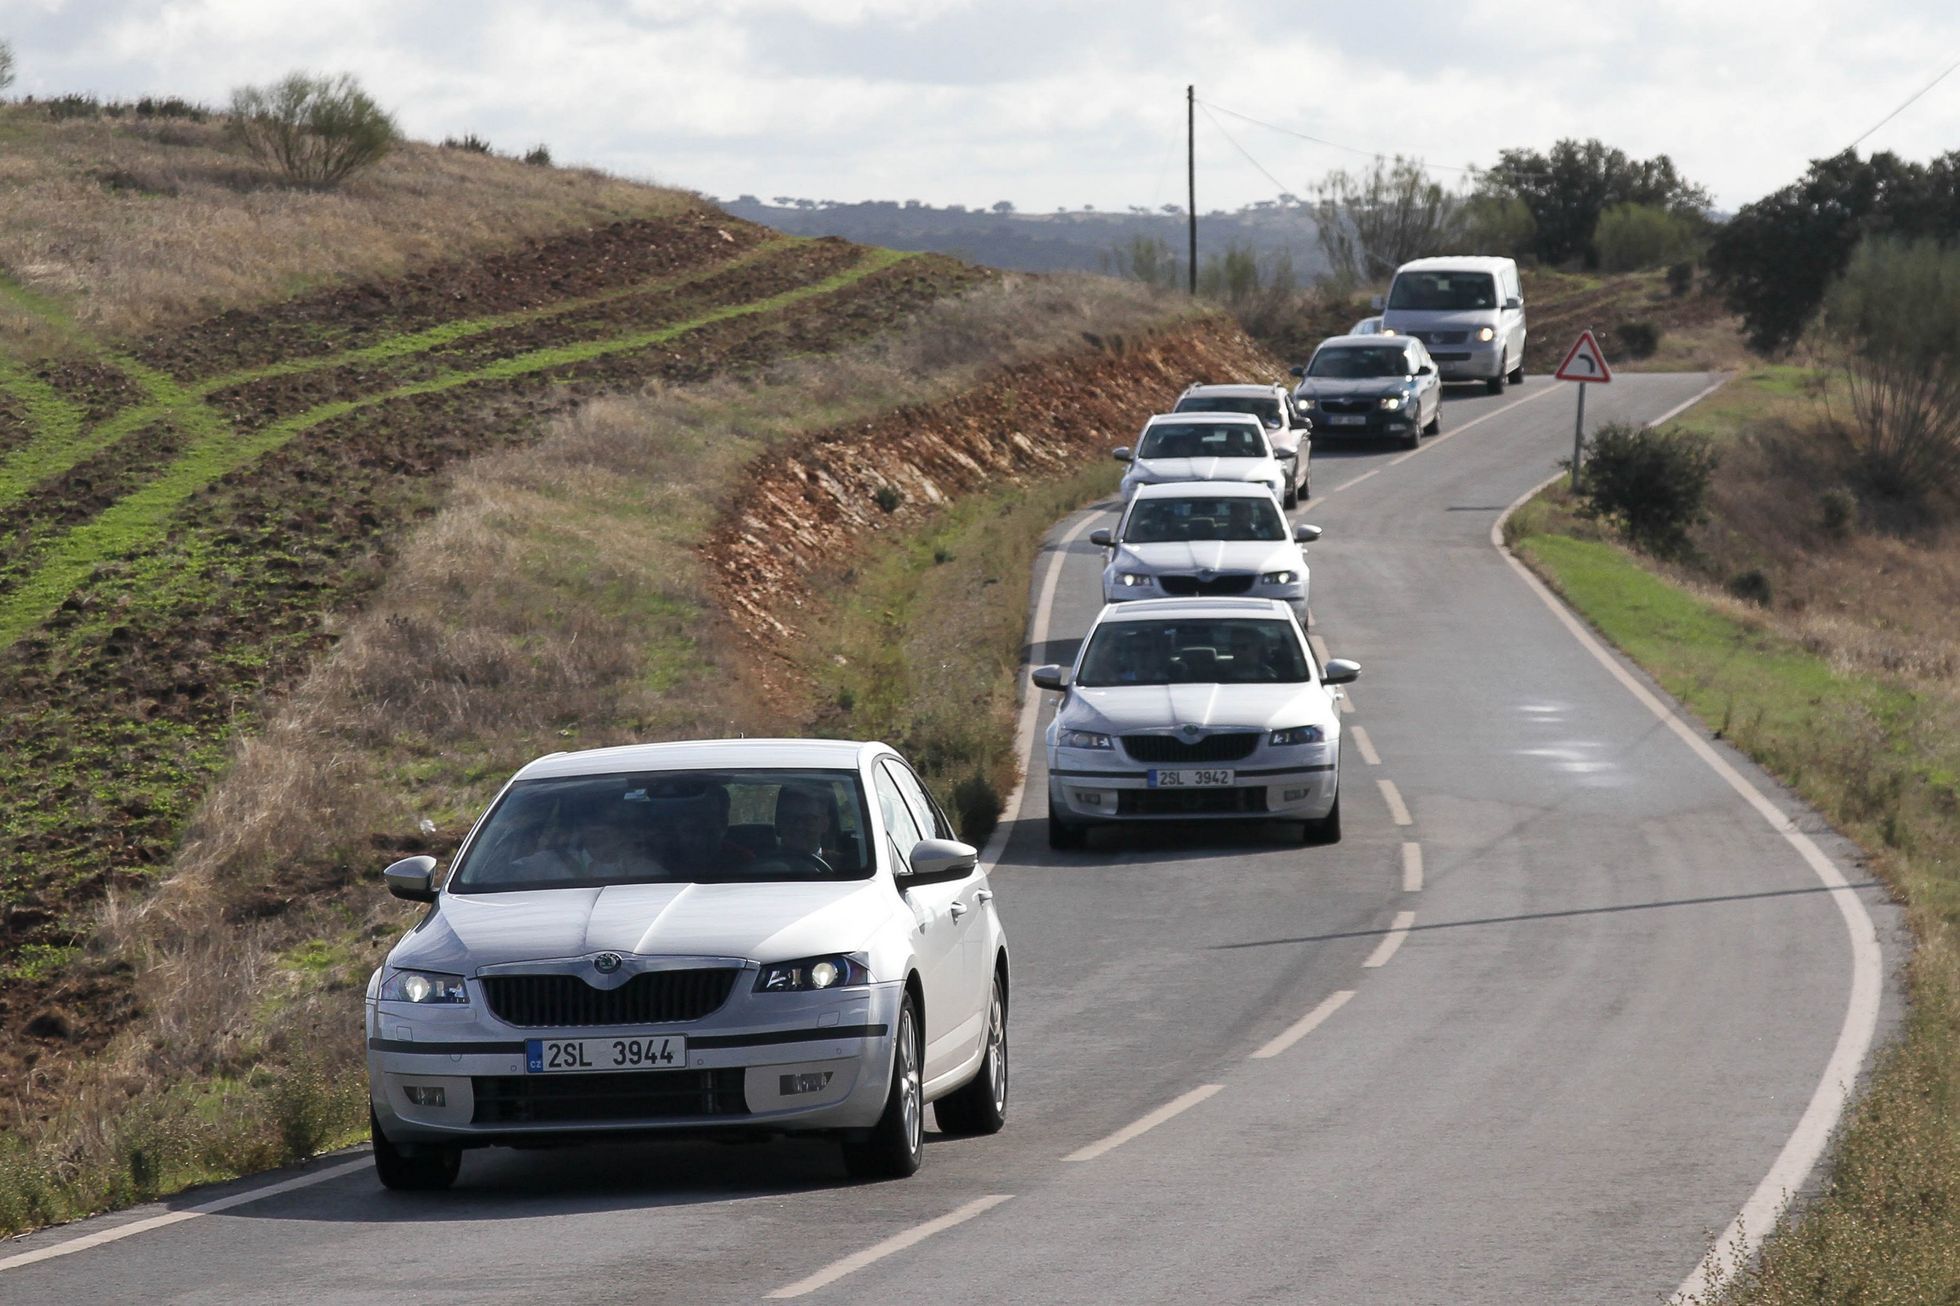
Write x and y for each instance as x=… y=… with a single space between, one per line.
x=1496 y=384
x=1327 y=829
x=980 y=1106
x=897 y=1143
x=1292 y=499
x=1413 y=438
x=1435 y=420
x=421 y=1172
x=1517 y=373
x=1065 y=837
x=1306 y=483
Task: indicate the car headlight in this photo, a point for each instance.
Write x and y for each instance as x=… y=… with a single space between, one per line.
x=1391 y=402
x=1082 y=739
x=832 y=972
x=1131 y=580
x=425 y=988
x=1486 y=334
x=1278 y=577
x=1298 y=735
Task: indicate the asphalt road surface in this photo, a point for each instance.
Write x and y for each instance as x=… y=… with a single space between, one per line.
x=1563 y=1002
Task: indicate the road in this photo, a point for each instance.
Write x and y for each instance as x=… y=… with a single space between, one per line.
x=1557 y=1008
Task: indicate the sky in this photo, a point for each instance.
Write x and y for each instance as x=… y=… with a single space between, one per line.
x=1055 y=103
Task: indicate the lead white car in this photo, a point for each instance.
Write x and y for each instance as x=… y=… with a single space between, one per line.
x=1202 y=447
x=1195 y=710
x=760 y=936
x=1208 y=539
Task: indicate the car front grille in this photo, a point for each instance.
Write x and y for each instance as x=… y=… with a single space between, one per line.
x=1441 y=337
x=1230 y=747
x=629 y=1095
x=1249 y=801
x=654 y=998
x=1461 y=356
x=1185 y=586
x=1348 y=405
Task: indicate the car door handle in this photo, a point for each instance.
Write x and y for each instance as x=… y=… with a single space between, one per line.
x=983 y=895
x=958 y=909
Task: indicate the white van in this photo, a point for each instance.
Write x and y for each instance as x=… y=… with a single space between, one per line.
x=1468 y=309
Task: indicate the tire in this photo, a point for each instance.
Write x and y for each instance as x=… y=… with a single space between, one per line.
x=1435 y=422
x=1413 y=439
x=1496 y=384
x=1306 y=483
x=980 y=1105
x=896 y=1145
x=1064 y=837
x=1292 y=499
x=423 y=1172
x=1326 y=830
x=1517 y=373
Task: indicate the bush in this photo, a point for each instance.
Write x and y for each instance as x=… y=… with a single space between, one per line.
x=469 y=142
x=1649 y=484
x=6 y=65
x=538 y=156
x=976 y=808
x=1751 y=586
x=1680 y=277
x=63 y=107
x=170 y=107
x=1837 y=512
x=888 y=498
x=1638 y=339
x=1634 y=236
x=317 y=130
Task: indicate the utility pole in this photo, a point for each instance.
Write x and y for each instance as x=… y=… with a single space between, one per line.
x=1191 y=173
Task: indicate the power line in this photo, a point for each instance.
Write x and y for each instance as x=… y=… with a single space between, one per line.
x=1281 y=187
x=1907 y=103
x=1317 y=140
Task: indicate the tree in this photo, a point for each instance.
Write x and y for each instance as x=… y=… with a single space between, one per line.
x=6 y=65
x=1569 y=188
x=1775 y=258
x=1371 y=222
x=1003 y=207
x=317 y=130
x=1497 y=224
x=1631 y=236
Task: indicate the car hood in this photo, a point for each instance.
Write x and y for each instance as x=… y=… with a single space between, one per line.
x=1208 y=469
x=1126 y=709
x=766 y=922
x=1212 y=555
x=1418 y=321
x=1365 y=388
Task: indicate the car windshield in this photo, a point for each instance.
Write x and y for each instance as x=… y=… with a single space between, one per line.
x=1201 y=440
x=657 y=827
x=1360 y=363
x=1215 y=651
x=1266 y=410
x=1443 y=290
x=1161 y=521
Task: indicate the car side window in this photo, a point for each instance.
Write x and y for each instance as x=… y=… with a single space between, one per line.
x=898 y=820
x=926 y=812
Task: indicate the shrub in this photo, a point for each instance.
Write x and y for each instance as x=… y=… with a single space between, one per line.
x=316 y=130
x=1649 y=484
x=1638 y=339
x=538 y=155
x=1633 y=236
x=1680 y=277
x=1837 y=512
x=170 y=107
x=63 y=107
x=6 y=65
x=469 y=141
x=976 y=807
x=1751 y=586
x=888 y=498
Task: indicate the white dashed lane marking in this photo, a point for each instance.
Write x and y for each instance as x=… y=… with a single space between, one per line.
x=1304 y=1026
x=1145 y=1125
x=878 y=1251
x=1411 y=868
x=1391 y=941
x=1365 y=745
x=1397 y=809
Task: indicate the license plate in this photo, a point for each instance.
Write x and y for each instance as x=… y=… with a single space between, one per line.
x=1347 y=419
x=571 y=1056
x=1190 y=778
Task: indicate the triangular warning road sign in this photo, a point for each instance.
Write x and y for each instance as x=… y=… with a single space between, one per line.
x=1585 y=361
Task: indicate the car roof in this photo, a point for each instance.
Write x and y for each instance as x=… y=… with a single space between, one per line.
x=1230 y=419
x=1457 y=262
x=1236 y=390
x=1205 y=489
x=1158 y=609
x=702 y=754
x=1383 y=341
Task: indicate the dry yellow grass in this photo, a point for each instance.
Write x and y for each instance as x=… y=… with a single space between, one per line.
x=134 y=225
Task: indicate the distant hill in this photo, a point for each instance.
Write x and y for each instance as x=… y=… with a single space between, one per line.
x=1084 y=241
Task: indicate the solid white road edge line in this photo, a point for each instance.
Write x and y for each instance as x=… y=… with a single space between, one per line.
x=1398 y=811
x=1304 y=1026
x=1145 y=1125
x=1430 y=443
x=1010 y=810
x=135 y=1227
x=898 y=1242
x=1806 y=1143
x=1391 y=941
x=1366 y=745
x=1411 y=868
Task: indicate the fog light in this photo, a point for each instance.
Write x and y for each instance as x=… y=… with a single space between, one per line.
x=1089 y=800
x=814 y=1082
x=1293 y=795
x=420 y=1095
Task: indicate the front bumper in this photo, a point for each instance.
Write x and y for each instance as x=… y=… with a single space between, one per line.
x=765 y=1062
x=1375 y=424
x=1294 y=595
x=1469 y=362
x=1274 y=784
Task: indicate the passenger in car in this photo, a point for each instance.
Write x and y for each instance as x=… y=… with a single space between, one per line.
x=697 y=834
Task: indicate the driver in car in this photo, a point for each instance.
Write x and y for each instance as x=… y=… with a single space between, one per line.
x=802 y=820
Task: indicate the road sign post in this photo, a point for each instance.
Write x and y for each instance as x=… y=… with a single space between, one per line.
x=1584 y=362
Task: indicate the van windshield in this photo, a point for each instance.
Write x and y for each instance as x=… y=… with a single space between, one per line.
x=1443 y=291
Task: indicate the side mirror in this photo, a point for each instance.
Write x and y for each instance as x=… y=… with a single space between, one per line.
x=1298 y=371
x=1102 y=537
x=1122 y=454
x=933 y=861
x=1375 y=302
x=1305 y=534
x=1513 y=302
x=1340 y=671
x=412 y=878
x=1049 y=677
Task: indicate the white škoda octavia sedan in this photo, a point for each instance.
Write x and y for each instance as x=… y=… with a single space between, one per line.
x=1211 y=539
x=1195 y=710
x=1202 y=447
x=738 y=937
